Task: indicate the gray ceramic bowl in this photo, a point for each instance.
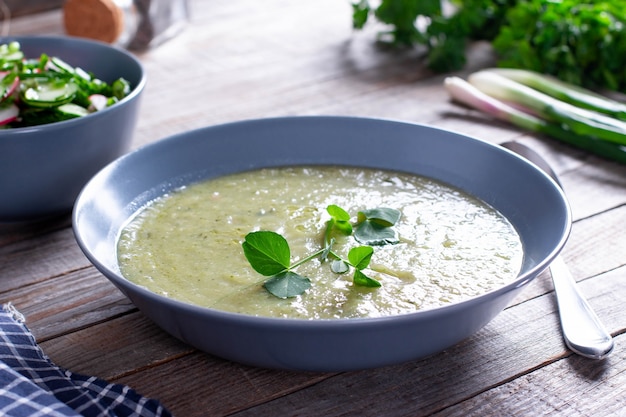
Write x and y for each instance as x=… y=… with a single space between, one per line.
x=526 y=196
x=43 y=168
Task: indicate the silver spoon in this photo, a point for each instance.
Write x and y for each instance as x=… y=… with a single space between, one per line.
x=582 y=330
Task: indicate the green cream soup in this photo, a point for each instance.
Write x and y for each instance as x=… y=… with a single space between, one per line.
x=187 y=245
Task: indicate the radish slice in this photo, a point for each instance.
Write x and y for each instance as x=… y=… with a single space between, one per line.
x=8 y=114
x=98 y=102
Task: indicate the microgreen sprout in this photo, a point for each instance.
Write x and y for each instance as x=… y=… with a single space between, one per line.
x=269 y=254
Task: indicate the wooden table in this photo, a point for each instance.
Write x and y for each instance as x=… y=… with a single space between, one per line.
x=241 y=59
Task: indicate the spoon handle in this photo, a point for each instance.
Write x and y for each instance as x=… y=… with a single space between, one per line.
x=583 y=332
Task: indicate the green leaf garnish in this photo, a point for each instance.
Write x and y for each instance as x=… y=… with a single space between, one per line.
x=287 y=284
x=340 y=220
x=369 y=233
x=339 y=266
x=374 y=226
x=385 y=217
x=360 y=256
x=267 y=252
x=363 y=280
x=338 y=213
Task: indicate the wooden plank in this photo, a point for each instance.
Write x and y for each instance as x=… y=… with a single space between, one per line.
x=573 y=386
x=28 y=7
x=28 y=261
x=220 y=387
x=40 y=23
x=595 y=245
x=340 y=73
x=68 y=303
x=595 y=187
x=11 y=232
x=136 y=341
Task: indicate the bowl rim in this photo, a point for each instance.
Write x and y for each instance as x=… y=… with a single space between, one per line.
x=136 y=90
x=520 y=281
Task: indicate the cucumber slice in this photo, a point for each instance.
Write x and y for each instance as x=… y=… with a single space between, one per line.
x=11 y=52
x=82 y=74
x=13 y=56
x=62 y=65
x=71 y=110
x=49 y=94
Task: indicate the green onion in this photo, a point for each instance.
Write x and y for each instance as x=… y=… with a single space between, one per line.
x=574 y=119
x=467 y=94
x=569 y=93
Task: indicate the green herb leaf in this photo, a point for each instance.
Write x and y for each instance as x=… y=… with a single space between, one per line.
x=340 y=219
x=363 y=280
x=268 y=252
x=287 y=284
x=339 y=266
x=360 y=13
x=338 y=213
x=386 y=217
x=374 y=226
x=360 y=256
x=369 y=233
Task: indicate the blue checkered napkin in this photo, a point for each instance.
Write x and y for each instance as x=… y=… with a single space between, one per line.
x=31 y=385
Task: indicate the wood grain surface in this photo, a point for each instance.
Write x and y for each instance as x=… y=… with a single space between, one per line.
x=243 y=59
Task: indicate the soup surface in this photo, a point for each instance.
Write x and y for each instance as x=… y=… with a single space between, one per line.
x=187 y=245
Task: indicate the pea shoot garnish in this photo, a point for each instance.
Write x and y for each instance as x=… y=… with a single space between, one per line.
x=269 y=254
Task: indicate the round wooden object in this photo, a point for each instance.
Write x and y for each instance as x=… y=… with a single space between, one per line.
x=101 y=20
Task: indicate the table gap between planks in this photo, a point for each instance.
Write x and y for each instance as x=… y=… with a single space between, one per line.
x=243 y=59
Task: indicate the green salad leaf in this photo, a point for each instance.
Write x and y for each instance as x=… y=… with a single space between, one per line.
x=35 y=91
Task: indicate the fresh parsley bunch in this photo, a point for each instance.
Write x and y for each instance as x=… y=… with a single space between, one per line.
x=444 y=34
x=582 y=42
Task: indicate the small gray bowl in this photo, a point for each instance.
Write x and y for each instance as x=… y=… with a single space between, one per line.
x=43 y=168
x=534 y=204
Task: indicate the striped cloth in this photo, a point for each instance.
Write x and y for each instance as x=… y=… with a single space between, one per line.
x=31 y=385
